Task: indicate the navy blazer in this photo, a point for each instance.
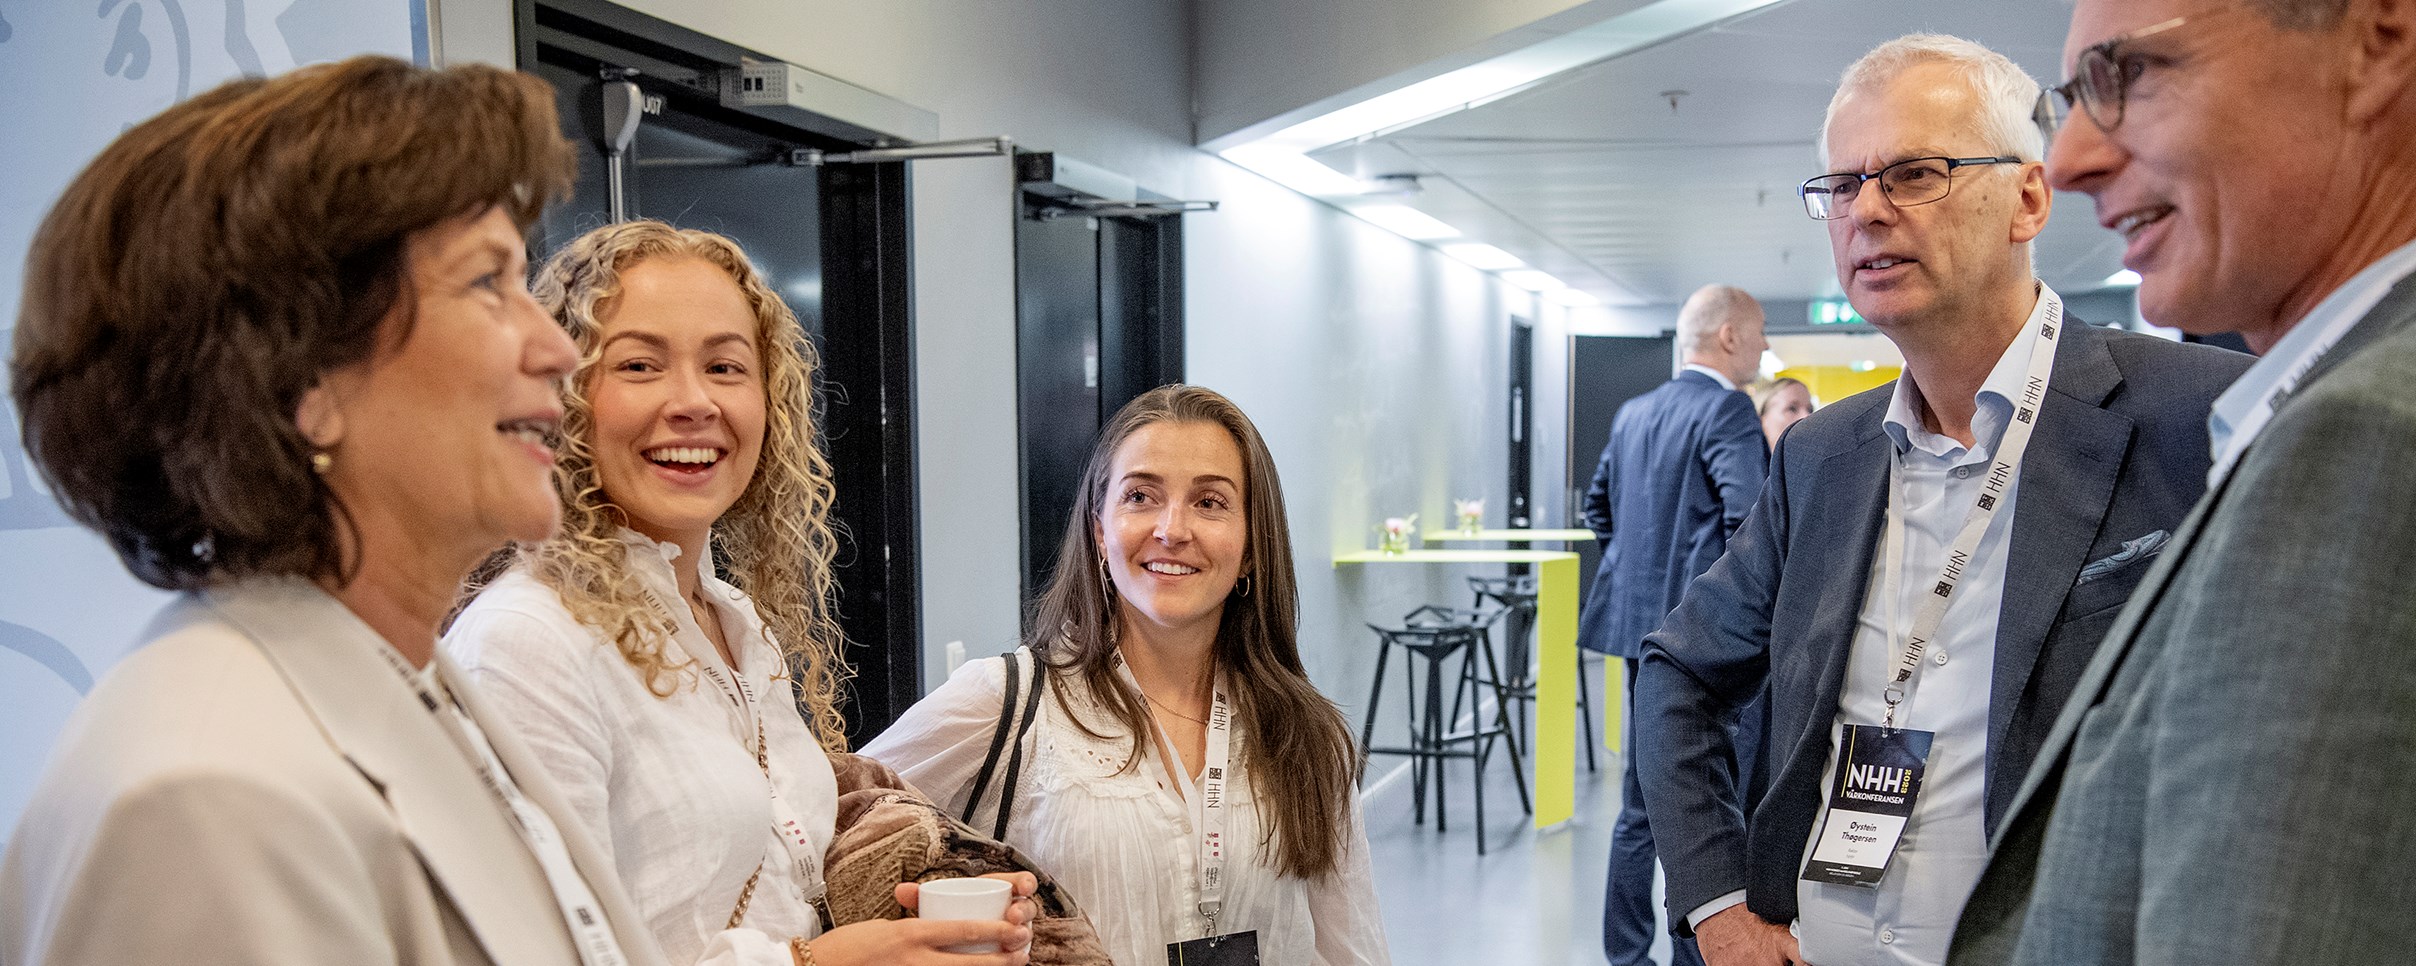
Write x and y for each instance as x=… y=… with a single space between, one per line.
x=2119 y=454
x=1680 y=471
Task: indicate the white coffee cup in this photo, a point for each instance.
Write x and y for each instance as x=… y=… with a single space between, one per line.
x=966 y=899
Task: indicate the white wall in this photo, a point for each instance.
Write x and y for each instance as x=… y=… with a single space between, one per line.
x=68 y=611
x=1376 y=368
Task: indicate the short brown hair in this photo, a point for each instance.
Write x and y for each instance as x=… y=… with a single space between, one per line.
x=215 y=261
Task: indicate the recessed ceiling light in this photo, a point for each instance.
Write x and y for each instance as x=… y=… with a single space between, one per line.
x=1294 y=170
x=1483 y=256
x=1405 y=221
x=1533 y=281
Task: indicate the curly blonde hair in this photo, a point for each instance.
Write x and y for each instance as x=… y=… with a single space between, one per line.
x=776 y=543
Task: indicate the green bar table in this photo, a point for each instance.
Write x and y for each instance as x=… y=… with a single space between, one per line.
x=1613 y=672
x=1556 y=686
x=1509 y=536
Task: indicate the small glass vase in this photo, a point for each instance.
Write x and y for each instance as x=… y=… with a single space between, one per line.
x=1393 y=543
x=1471 y=523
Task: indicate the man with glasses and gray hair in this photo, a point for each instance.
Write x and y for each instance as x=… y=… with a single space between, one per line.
x=2230 y=780
x=1930 y=565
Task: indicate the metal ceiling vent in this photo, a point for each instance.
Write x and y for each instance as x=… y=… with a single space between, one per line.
x=1064 y=186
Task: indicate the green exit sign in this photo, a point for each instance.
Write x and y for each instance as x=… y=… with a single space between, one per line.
x=1833 y=312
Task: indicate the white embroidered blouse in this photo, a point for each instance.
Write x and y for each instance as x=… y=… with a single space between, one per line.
x=1120 y=840
x=668 y=786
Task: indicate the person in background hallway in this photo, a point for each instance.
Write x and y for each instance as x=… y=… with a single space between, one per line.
x=663 y=700
x=2230 y=783
x=1932 y=563
x=1682 y=466
x=1780 y=403
x=1172 y=605
x=276 y=348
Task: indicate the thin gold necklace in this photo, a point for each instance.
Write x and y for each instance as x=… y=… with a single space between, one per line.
x=1162 y=707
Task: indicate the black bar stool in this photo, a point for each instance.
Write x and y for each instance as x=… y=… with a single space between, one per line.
x=1436 y=638
x=1517 y=595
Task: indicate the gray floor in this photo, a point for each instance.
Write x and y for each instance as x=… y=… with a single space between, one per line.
x=1532 y=898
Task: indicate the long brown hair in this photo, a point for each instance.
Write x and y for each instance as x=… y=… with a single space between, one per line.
x=776 y=542
x=1301 y=759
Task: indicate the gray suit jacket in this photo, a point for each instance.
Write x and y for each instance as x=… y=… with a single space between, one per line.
x=256 y=785
x=2118 y=456
x=2231 y=781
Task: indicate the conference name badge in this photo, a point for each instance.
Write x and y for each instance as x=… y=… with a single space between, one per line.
x=1878 y=779
x=1230 y=949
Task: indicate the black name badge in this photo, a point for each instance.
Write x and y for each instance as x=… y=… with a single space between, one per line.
x=1230 y=949
x=1878 y=779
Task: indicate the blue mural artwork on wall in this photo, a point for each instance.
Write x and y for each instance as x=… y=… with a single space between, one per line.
x=80 y=72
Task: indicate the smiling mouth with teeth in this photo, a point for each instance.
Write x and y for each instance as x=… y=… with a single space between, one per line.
x=684 y=457
x=2130 y=224
x=535 y=432
x=1172 y=569
x=1879 y=263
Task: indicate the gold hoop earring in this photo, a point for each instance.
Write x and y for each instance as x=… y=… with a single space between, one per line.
x=321 y=462
x=1107 y=584
x=1242 y=586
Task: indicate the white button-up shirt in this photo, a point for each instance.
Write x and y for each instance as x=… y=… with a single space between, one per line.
x=1908 y=918
x=2235 y=421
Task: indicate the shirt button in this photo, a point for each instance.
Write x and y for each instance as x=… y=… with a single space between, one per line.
x=1938 y=658
x=1887 y=935
x=1962 y=472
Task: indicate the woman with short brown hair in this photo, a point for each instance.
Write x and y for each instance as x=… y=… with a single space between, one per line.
x=276 y=346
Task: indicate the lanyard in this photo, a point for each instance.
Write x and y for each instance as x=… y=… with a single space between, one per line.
x=589 y=931
x=1208 y=801
x=2005 y=464
x=791 y=831
x=2253 y=422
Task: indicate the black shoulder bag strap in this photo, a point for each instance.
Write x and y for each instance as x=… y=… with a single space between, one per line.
x=1008 y=738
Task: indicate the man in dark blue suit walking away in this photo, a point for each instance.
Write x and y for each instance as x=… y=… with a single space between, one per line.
x=1684 y=463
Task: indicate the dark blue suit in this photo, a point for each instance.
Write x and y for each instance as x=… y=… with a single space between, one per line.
x=1681 y=469
x=2119 y=455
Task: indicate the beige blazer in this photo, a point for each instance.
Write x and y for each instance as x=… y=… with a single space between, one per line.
x=256 y=785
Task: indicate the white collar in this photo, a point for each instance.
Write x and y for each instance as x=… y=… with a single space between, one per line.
x=2300 y=349
x=1715 y=375
x=1992 y=404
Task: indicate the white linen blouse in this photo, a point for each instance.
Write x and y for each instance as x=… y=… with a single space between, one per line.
x=1120 y=840
x=668 y=786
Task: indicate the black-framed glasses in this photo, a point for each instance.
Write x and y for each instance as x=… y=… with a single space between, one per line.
x=2101 y=80
x=1912 y=181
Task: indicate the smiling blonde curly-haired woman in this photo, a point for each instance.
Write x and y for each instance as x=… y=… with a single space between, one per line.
x=670 y=654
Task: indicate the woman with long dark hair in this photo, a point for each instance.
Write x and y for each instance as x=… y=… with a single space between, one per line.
x=1181 y=776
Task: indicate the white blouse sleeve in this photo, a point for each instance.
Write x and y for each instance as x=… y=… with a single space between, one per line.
x=534 y=673
x=939 y=745
x=1350 y=929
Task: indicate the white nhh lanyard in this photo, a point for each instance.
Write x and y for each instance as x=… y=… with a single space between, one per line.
x=786 y=826
x=589 y=931
x=2004 y=465
x=2253 y=422
x=1208 y=804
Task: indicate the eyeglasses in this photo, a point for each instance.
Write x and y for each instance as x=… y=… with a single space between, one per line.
x=2102 y=78
x=1913 y=181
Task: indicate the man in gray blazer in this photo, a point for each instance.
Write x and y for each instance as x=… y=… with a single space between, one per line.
x=2018 y=475
x=2230 y=781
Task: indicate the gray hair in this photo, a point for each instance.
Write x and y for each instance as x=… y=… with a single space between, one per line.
x=2008 y=95
x=1711 y=307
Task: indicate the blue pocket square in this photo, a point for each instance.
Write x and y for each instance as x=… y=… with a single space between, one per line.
x=2132 y=552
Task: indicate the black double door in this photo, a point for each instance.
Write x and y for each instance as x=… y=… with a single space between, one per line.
x=830 y=239
x=1099 y=321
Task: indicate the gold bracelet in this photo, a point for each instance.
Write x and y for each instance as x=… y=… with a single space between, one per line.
x=800 y=951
